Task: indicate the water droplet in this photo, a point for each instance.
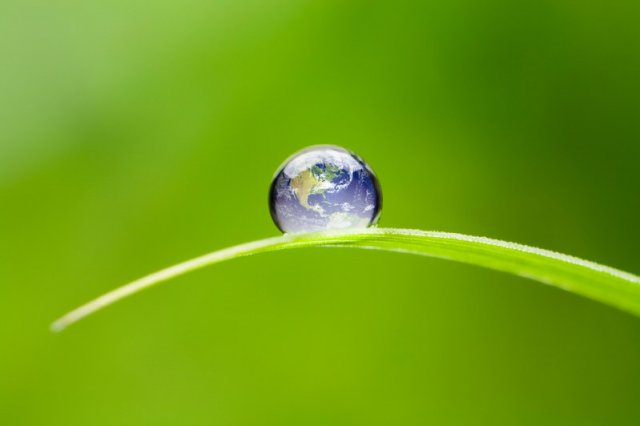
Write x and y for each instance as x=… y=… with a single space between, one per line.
x=324 y=187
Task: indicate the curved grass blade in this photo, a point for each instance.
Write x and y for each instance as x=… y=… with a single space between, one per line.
x=598 y=282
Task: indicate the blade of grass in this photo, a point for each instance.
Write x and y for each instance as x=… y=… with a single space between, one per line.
x=598 y=282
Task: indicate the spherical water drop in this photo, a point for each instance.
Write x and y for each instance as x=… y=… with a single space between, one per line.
x=324 y=187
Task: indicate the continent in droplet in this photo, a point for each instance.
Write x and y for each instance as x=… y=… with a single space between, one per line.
x=324 y=187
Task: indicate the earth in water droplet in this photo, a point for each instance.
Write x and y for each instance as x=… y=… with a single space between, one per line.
x=324 y=187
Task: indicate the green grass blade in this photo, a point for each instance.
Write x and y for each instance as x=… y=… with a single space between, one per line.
x=598 y=282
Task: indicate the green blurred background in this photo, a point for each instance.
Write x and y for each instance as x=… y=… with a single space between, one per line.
x=135 y=134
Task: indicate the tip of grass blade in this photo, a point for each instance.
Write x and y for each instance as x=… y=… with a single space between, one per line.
x=57 y=326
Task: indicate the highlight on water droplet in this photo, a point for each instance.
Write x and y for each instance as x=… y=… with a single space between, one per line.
x=324 y=187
